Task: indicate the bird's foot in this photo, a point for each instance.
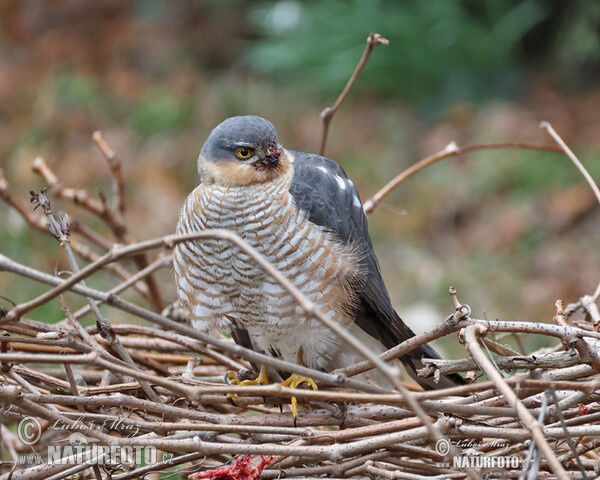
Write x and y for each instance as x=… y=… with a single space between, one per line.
x=293 y=381
x=231 y=378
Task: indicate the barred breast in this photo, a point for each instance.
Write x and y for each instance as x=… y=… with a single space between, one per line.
x=222 y=288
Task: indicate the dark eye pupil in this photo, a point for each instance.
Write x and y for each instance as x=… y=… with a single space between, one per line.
x=244 y=152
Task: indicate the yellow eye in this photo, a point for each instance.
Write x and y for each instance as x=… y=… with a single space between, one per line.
x=244 y=152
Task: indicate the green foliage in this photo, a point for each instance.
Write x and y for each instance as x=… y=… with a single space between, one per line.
x=578 y=43
x=159 y=111
x=439 y=50
x=75 y=90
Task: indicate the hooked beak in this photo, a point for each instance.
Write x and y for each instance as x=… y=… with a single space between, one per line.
x=270 y=160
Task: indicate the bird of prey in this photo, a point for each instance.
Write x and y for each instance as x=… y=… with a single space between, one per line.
x=304 y=215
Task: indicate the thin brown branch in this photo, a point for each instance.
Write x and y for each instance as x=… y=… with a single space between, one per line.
x=340 y=430
x=115 y=168
x=78 y=197
x=9 y=265
x=472 y=334
x=169 y=241
x=451 y=324
x=114 y=219
x=451 y=150
x=39 y=223
x=327 y=114
x=161 y=262
x=546 y=126
x=586 y=351
x=59 y=228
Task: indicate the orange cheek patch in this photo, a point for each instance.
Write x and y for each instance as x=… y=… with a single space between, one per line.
x=234 y=173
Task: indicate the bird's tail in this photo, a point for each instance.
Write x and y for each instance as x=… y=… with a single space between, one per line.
x=413 y=362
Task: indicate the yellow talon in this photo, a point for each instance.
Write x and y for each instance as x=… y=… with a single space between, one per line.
x=262 y=379
x=293 y=381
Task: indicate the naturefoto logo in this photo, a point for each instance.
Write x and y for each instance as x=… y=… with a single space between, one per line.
x=470 y=457
x=79 y=448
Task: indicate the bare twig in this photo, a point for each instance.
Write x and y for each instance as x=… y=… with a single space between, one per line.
x=327 y=114
x=451 y=150
x=115 y=168
x=195 y=416
x=546 y=126
x=114 y=219
x=59 y=227
x=83 y=251
x=471 y=337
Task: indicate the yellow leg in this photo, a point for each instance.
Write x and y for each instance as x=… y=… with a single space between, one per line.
x=293 y=381
x=262 y=379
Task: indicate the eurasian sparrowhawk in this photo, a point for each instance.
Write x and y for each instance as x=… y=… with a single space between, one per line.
x=305 y=216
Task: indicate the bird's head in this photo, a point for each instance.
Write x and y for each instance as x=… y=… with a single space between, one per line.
x=242 y=151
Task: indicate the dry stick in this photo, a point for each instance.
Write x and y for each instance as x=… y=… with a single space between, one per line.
x=561 y=332
x=73 y=384
x=569 y=439
x=472 y=334
x=372 y=470
x=90 y=343
x=450 y=150
x=82 y=250
x=141 y=472
x=586 y=351
x=12 y=395
x=450 y=325
x=528 y=327
x=331 y=452
x=60 y=230
x=87 y=463
x=121 y=287
x=115 y=168
x=334 y=452
x=185 y=341
x=114 y=220
x=96 y=359
x=169 y=241
x=522 y=434
x=78 y=196
x=253 y=356
x=200 y=393
x=587 y=302
x=580 y=450
x=302 y=300
x=546 y=126
x=222 y=423
x=9 y=265
x=119 y=193
x=327 y=114
x=529 y=362
x=330 y=470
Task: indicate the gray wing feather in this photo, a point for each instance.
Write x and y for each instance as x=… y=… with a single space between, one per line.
x=316 y=188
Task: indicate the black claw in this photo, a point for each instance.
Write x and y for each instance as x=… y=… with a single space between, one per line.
x=231 y=401
x=295 y=421
x=280 y=408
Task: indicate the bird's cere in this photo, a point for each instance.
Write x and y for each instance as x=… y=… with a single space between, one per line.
x=270 y=160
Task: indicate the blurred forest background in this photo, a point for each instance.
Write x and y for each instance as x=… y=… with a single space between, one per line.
x=513 y=230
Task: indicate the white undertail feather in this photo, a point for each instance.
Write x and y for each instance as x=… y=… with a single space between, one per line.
x=223 y=288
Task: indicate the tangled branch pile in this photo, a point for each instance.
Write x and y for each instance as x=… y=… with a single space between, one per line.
x=162 y=386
